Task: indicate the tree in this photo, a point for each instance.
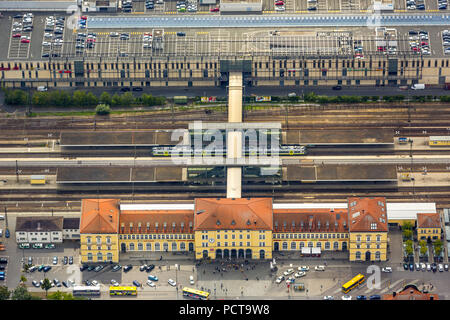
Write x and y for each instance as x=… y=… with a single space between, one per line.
x=58 y=295
x=102 y=109
x=407 y=233
x=115 y=100
x=4 y=293
x=40 y=99
x=46 y=285
x=407 y=225
x=79 y=98
x=105 y=98
x=21 y=293
x=127 y=99
x=23 y=279
x=91 y=99
x=423 y=247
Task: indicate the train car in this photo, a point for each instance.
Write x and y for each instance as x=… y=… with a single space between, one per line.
x=439 y=141
x=187 y=151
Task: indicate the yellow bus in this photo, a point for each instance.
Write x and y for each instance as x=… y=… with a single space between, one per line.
x=122 y=291
x=356 y=281
x=195 y=294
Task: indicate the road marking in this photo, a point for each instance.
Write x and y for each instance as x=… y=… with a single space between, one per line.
x=392 y=285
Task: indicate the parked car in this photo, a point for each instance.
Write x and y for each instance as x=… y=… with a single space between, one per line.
x=423 y=266
x=57 y=283
x=150 y=267
x=55 y=260
x=65 y=260
x=152 y=277
x=36 y=284
x=375 y=297
x=346 y=297
x=143 y=267
x=405 y=266
x=191 y=280
x=428 y=267
x=328 y=298
x=214 y=9
x=99 y=268
x=319 y=268
x=47 y=268
x=279 y=279
x=337 y=87
x=94 y=283
x=172 y=282
x=116 y=267
x=70 y=260
x=361 y=298
x=65 y=284
x=288 y=272
x=303 y=268
x=386 y=269
x=151 y=283
x=30 y=260
x=90 y=268
x=300 y=274
x=136 y=283
x=417 y=267
x=84 y=267
x=445 y=266
x=114 y=283
x=49 y=246
x=441 y=267
x=127 y=268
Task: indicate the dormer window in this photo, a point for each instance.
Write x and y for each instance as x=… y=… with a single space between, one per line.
x=233 y=222
x=373 y=226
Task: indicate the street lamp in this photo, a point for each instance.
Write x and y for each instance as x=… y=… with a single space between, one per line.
x=176 y=278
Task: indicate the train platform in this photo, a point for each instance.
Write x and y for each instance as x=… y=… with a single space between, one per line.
x=418 y=144
x=425 y=179
x=107 y=175
x=340 y=173
x=8 y=182
x=116 y=138
x=338 y=137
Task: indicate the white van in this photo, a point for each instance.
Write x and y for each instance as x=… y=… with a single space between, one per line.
x=42 y=88
x=319 y=268
x=2 y=217
x=418 y=86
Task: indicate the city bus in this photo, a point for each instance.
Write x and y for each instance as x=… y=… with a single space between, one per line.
x=122 y=291
x=356 y=281
x=86 y=291
x=195 y=294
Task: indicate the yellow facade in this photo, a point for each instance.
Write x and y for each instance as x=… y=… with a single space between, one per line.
x=99 y=248
x=248 y=244
x=425 y=233
x=328 y=241
x=368 y=246
x=156 y=242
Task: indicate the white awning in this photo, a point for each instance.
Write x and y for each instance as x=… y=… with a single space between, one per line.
x=316 y=250
x=306 y=250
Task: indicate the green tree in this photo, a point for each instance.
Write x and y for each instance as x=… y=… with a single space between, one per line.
x=21 y=293
x=407 y=233
x=91 y=99
x=102 y=109
x=58 y=295
x=127 y=99
x=375 y=98
x=46 y=285
x=23 y=279
x=310 y=97
x=105 y=98
x=40 y=99
x=4 y=293
x=423 y=247
x=79 y=98
x=115 y=100
x=407 y=225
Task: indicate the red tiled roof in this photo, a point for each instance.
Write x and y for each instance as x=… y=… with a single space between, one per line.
x=233 y=214
x=428 y=220
x=156 y=221
x=410 y=292
x=99 y=216
x=310 y=220
x=367 y=214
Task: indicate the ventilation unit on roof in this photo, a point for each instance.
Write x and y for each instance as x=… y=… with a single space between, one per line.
x=139 y=224
x=173 y=225
x=332 y=209
x=284 y=224
x=293 y=224
x=131 y=224
x=301 y=224
x=233 y=222
x=156 y=224
x=248 y=222
x=182 y=225
x=190 y=224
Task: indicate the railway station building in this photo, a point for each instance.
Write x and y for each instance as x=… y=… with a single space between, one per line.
x=428 y=226
x=218 y=228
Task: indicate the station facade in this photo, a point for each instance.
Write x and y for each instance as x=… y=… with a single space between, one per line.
x=244 y=228
x=212 y=71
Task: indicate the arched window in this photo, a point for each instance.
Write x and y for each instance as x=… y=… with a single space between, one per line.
x=377 y=255
x=140 y=246
x=109 y=256
x=174 y=246
x=302 y=244
x=182 y=246
x=310 y=244
x=293 y=245
x=165 y=246
x=358 y=255
x=319 y=244
x=131 y=246
x=148 y=246
x=327 y=245
x=89 y=256
x=99 y=256
x=285 y=245
x=157 y=246
x=336 y=245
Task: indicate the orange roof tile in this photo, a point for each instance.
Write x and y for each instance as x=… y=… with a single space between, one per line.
x=410 y=292
x=156 y=221
x=233 y=214
x=428 y=220
x=310 y=220
x=367 y=214
x=99 y=216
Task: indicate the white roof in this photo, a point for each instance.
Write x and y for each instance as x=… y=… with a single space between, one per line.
x=395 y=210
x=306 y=250
x=315 y=250
x=158 y=206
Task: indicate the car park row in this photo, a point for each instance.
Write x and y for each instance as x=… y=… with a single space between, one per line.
x=53 y=36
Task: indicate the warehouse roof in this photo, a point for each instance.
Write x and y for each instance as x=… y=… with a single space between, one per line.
x=234 y=214
x=71 y=223
x=39 y=224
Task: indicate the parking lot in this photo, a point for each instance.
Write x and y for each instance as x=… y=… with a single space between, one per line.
x=20 y=38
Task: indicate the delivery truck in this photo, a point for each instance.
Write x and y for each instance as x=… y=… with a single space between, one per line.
x=418 y=86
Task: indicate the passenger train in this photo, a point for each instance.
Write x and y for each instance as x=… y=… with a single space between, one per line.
x=186 y=150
